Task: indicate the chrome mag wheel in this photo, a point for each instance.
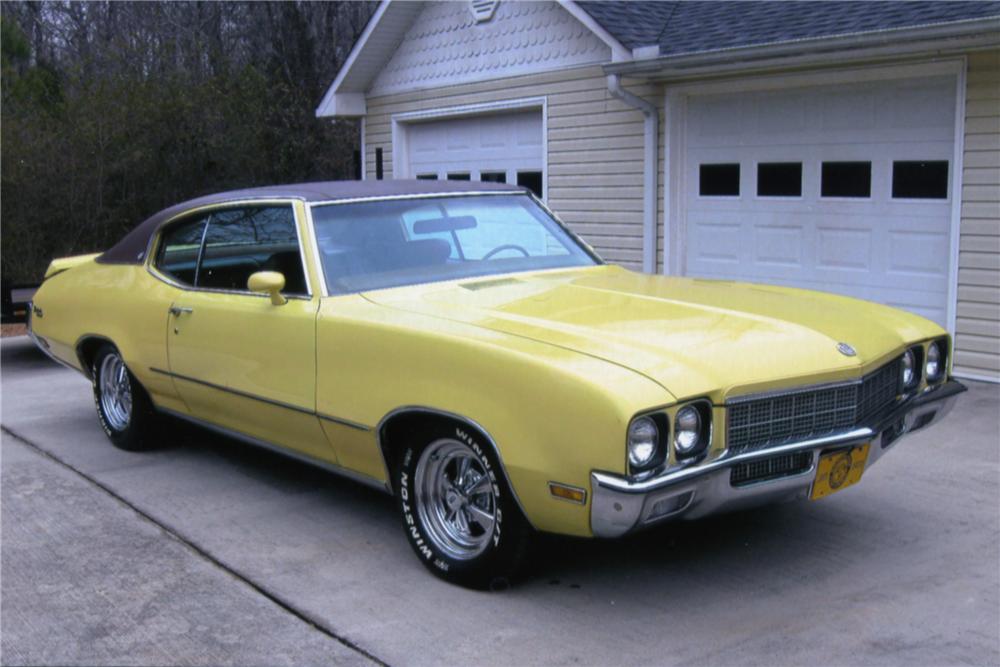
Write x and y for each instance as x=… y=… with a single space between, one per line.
x=455 y=499
x=116 y=392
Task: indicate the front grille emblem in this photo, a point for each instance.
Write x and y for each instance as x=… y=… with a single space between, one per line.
x=846 y=349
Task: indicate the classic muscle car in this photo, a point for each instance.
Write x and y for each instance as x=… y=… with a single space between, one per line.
x=457 y=346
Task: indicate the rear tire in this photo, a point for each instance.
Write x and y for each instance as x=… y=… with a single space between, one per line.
x=123 y=407
x=459 y=514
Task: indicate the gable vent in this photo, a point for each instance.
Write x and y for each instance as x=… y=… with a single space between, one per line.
x=483 y=10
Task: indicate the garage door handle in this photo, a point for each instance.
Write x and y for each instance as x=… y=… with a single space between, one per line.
x=179 y=310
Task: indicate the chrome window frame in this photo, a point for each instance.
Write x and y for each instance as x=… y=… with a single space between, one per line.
x=321 y=270
x=155 y=239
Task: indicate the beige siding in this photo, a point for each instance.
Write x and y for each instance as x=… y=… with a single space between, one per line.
x=977 y=339
x=595 y=149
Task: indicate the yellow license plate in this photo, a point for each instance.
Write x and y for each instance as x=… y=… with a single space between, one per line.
x=839 y=470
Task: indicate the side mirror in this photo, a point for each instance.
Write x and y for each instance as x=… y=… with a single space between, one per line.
x=268 y=282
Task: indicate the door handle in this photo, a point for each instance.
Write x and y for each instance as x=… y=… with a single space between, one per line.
x=179 y=310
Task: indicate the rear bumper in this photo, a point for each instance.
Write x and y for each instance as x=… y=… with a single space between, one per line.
x=622 y=505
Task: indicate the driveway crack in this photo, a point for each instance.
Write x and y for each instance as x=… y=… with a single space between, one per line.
x=173 y=533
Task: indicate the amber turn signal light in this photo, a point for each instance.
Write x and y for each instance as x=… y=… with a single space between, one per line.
x=570 y=493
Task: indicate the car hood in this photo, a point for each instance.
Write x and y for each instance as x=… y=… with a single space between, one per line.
x=694 y=337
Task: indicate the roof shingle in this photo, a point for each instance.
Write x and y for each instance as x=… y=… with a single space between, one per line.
x=695 y=26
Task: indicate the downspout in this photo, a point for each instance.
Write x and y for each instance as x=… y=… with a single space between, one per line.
x=650 y=168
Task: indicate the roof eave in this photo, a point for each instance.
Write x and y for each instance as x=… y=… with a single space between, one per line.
x=938 y=39
x=329 y=106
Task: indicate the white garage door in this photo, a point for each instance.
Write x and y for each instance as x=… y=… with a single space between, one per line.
x=504 y=148
x=844 y=189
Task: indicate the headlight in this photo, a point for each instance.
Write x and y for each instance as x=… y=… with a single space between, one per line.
x=687 y=431
x=643 y=439
x=934 y=367
x=909 y=369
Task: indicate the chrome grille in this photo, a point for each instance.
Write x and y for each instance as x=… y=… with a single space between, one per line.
x=773 y=420
x=775 y=467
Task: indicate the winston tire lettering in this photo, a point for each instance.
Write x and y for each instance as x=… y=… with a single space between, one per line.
x=411 y=524
x=409 y=499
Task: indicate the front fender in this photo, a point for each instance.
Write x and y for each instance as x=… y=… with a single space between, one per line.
x=553 y=413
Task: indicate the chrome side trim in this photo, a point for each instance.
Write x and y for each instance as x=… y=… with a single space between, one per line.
x=422 y=195
x=320 y=269
x=459 y=418
x=262 y=399
x=573 y=235
x=343 y=422
x=209 y=290
x=302 y=251
x=284 y=451
x=237 y=392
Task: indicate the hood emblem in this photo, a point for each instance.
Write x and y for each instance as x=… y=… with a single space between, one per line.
x=846 y=349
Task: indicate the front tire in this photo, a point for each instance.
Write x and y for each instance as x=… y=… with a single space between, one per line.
x=459 y=515
x=123 y=407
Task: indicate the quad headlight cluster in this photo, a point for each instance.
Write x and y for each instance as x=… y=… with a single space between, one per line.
x=649 y=438
x=924 y=363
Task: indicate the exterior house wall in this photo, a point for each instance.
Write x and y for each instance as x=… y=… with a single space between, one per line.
x=977 y=339
x=595 y=148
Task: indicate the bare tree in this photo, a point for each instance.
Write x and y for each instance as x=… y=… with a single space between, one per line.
x=113 y=110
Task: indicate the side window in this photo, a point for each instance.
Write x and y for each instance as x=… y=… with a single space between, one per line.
x=240 y=242
x=177 y=256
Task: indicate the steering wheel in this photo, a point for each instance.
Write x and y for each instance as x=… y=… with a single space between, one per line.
x=506 y=246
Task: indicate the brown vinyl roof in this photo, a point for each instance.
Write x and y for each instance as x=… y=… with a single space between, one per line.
x=131 y=249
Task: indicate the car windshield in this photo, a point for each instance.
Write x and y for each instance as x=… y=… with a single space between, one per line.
x=393 y=242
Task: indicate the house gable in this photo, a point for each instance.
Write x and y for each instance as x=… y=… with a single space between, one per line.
x=446 y=45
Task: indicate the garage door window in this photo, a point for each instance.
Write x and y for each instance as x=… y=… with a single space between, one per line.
x=846 y=179
x=459 y=177
x=531 y=180
x=493 y=177
x=719 y=180
x=779 y=179
x=427 y=177
x=920 y=179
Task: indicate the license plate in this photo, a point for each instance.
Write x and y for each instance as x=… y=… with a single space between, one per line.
x=838 y=470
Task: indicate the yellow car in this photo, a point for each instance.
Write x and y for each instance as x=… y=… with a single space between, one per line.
x=457 y=346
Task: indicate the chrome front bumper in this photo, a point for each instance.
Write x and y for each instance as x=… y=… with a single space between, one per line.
x=622 y=505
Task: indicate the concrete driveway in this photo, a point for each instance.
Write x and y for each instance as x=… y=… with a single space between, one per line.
x=211 y=553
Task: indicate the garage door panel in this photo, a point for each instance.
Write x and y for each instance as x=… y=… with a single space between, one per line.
x=841 y=250
x=915 y=254
x=779 y=245
x=850 y=111
x=717 y=241
x=502 y=142
x=923 y=106
x=876 y=247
